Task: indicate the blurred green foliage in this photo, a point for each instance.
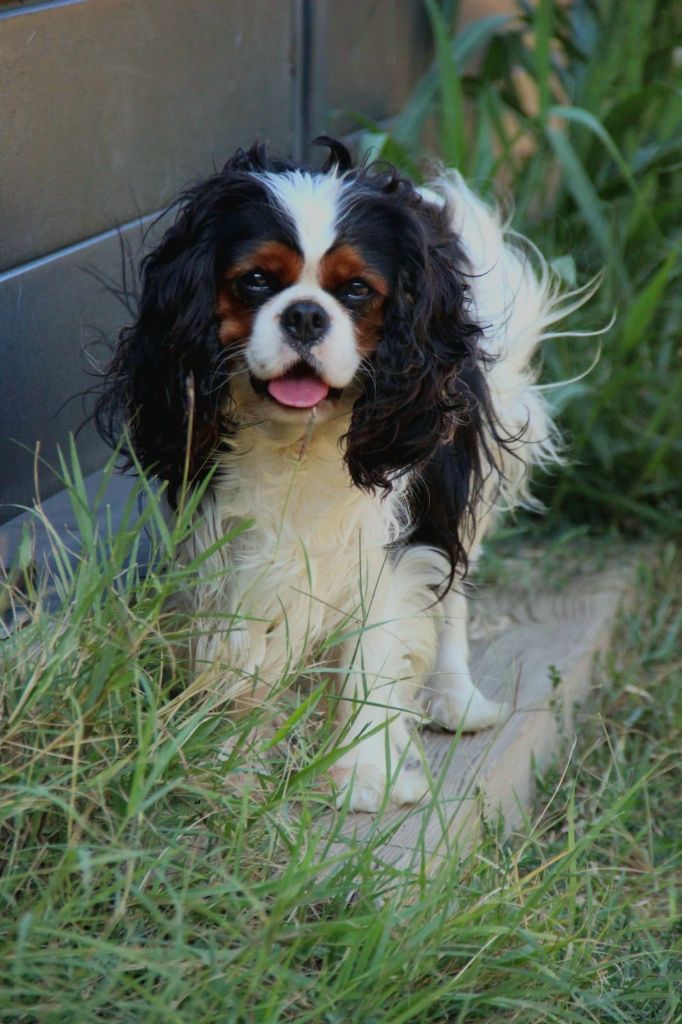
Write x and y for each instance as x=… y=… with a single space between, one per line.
x=575 y=110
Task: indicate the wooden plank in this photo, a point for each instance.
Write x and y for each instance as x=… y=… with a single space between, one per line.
x=532 y=646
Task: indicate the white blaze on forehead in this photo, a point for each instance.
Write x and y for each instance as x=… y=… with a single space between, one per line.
x=312 y=204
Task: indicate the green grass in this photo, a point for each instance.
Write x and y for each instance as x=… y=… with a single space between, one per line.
x=142 y=879
x=145 y=880
x=575 y=111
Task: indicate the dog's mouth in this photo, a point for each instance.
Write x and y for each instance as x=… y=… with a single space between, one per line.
x=299 y=388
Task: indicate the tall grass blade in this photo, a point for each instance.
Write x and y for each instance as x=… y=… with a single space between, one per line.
x=645 y=305
x=586 y=199
x=453 y=138
x=542 y=27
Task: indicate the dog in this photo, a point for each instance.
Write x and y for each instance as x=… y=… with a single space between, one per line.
x=349 y=356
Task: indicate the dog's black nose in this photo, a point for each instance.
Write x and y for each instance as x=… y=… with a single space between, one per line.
x=305 y=322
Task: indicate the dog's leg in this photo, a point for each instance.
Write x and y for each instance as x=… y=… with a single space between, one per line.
x=374 y=715
x=452 y=697
x=385 y=666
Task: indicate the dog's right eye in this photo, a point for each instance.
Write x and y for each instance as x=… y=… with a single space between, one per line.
x=254 y=285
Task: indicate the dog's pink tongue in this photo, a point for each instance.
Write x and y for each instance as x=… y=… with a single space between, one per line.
x=299 y=392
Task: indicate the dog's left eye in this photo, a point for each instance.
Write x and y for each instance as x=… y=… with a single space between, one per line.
x=254 y=284
x=356 y=290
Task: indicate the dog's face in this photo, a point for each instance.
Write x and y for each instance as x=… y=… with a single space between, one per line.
x=281 y=292
x=301 y=294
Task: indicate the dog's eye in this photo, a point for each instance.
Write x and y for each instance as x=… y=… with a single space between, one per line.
x=356 y=290
x=254 y=284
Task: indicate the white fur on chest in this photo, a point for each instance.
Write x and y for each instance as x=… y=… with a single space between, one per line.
x=313 y=547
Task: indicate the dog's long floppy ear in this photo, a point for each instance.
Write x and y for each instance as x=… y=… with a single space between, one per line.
x=425 y=397
x=168 y=379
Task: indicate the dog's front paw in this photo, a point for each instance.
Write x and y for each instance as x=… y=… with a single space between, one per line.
x=361 y=786
x=451 y=709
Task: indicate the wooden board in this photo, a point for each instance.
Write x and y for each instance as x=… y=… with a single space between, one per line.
x=533 y=645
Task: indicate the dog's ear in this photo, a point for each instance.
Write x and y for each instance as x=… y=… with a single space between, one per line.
x=425 y=395
x=168 y=380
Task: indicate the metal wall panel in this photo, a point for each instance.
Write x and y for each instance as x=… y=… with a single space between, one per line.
x=108 y=106
x=376 y=52
x=53 y=316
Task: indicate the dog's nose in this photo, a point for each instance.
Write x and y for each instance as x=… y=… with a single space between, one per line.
x=305 y=322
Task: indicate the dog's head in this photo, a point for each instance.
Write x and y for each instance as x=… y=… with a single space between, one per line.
x=281 y=290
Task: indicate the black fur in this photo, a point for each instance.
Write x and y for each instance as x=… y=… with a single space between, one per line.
x=170 y=366
x=424 y=409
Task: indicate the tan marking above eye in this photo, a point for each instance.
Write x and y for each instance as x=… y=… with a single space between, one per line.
x=274 y=258
x=344 y=263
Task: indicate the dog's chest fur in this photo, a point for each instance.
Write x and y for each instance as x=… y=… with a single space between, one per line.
x=314 y=545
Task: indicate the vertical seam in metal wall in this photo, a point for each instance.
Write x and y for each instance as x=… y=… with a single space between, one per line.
x=304 y=84
x=307 y=55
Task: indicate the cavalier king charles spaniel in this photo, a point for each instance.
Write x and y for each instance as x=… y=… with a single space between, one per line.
x=349 y=355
